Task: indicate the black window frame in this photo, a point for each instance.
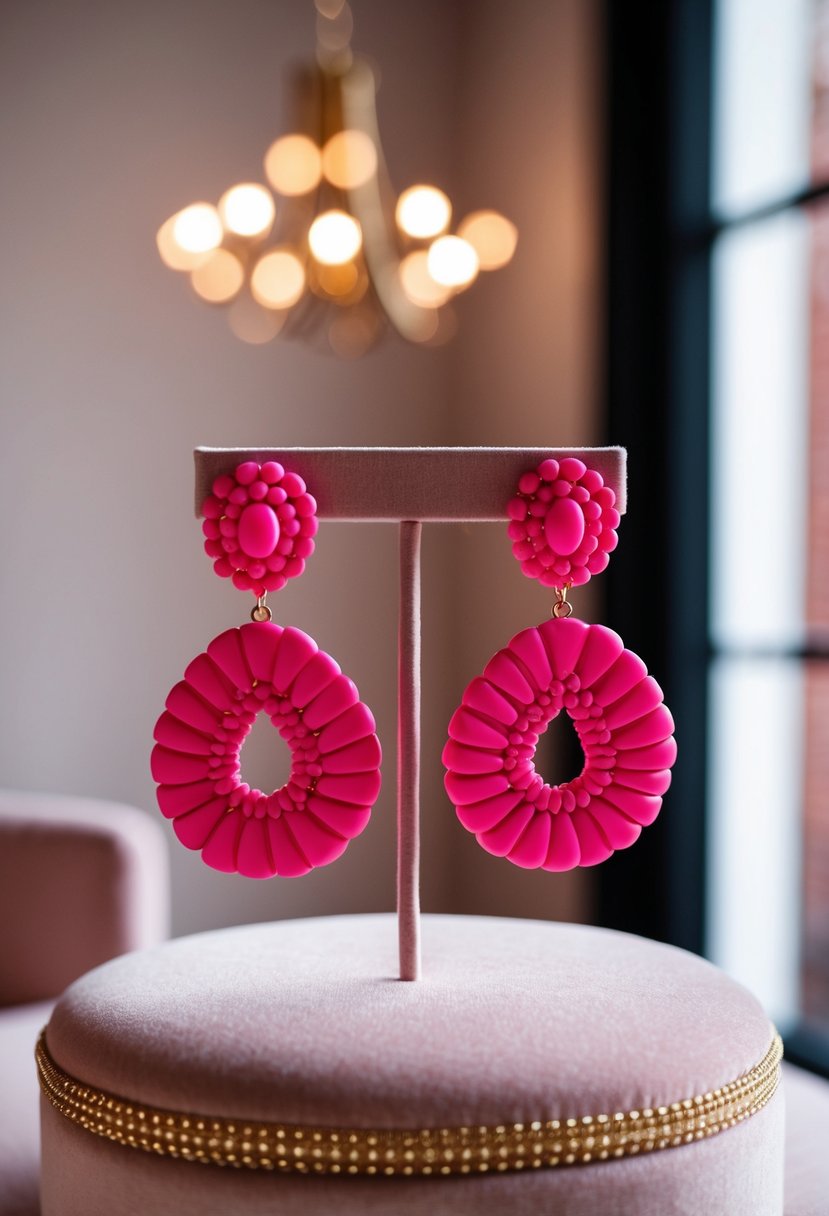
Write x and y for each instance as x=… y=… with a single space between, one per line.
x=660 y=236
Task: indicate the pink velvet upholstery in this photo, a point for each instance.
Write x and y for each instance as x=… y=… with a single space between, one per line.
x=19 y=1130
x=408 y=753
x=410 y=483
x=807 y=1127
x=80 y=881
x=737 y=1174
x=303 y=1022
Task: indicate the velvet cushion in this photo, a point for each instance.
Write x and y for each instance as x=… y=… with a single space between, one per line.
x=19 y=1129
x=807 y=1125
x=304 y=1022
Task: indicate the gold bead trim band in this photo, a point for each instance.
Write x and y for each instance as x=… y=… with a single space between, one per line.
x=421 y=1152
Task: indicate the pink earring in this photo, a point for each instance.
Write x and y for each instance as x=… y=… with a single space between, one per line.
x=259 y=527
x=563 y=527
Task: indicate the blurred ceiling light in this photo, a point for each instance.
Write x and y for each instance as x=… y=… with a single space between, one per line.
x=247 y=209
x=340 y=257
x=253 y=324
x=172 y=253
x=293 y=165
x=334 y=238
x=452 y=261
x=198 y=228
x=278 y=279
x=219 y=278
x=423 y=211
x=349 y=159
x=418 y=283
x=492 y=236
x=351 y=335
x=340 y=281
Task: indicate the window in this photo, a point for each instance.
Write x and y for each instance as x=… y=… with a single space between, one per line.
x=720 y=208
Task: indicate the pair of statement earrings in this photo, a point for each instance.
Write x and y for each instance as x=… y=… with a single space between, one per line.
x=260 y=522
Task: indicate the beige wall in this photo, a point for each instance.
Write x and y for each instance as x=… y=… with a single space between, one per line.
x=115 y=115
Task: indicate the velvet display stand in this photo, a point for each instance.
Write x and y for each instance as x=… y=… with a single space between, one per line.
x=509 y=1024
x=409 y=487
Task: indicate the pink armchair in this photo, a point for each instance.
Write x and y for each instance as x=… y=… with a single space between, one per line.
x=80 y=882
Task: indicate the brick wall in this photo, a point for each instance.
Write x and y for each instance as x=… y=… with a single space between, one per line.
x=815 y=910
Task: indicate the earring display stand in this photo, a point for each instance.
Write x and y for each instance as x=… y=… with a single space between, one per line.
x=409 y=487
x=290 y=1049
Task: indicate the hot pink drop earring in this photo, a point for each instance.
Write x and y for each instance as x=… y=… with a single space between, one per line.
x=259 y=526
x=563 y=527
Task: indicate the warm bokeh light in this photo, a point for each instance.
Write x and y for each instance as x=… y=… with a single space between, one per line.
x=452 y=262
x=423 y=211
x=353 y=333
x=172 y=254
x=278 y=279
x=253 y=324
x=492 y=236
x=334 y=238
x=198 y=228
x=349 y=159
x=418 y=283
x=338 y=281
x=247 y=209
x=428 y=327
x=293 y=165
x=219 y=278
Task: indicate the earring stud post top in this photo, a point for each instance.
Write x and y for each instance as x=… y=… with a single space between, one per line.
x=563 y=522
x=259 y=525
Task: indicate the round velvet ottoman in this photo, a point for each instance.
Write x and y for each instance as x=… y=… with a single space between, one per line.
x=537 y=1067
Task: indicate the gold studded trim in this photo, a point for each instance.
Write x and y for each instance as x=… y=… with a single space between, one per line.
x=421 y=1152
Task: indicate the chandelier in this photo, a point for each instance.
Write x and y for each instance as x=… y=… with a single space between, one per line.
x=327 y=251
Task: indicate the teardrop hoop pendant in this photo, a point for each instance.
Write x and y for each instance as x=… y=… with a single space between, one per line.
x=617 y=709
x=264 y=668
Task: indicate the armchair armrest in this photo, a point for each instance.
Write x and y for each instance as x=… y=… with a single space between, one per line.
x=81 y=880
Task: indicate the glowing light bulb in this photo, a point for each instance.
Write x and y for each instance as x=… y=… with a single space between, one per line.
x=293 y=164
x=334 y=237
x=278 y=279
x=418 y=283
x=198 y=228
x=452 y=262
x=247 y=209
x=349 y=159
x=339 y=281
x=172 y=254
x=492 y=236
x=423 y=211
x=253 y=324
x=219 y=278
